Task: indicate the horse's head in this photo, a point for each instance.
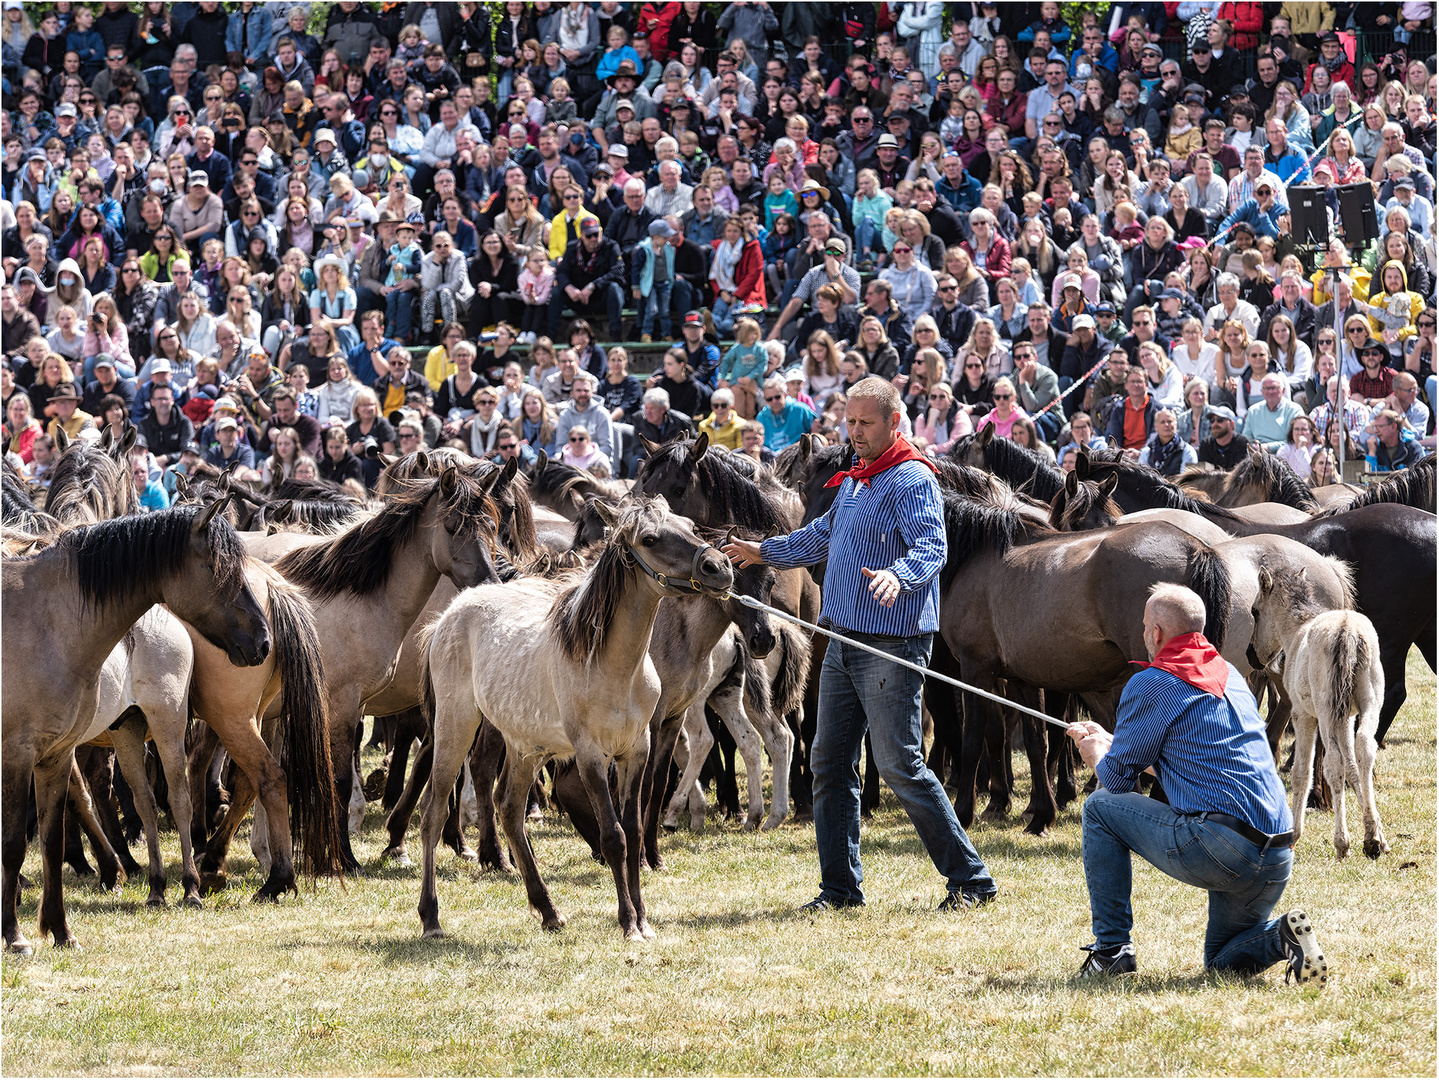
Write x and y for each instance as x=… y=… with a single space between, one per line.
x=664 y=546
x=1084 y=504
x=756 y=582
x=1283 y=603
x=209 y=591
x=671 y=471
x=461 y=520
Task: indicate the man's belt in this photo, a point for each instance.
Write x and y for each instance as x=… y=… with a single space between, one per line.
x=1263 y=841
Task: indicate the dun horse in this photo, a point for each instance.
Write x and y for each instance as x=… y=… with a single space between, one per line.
x=589 y=691
x=65 y=609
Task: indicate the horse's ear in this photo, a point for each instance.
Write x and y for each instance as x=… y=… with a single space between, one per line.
x=1081 y=462
x=62 y=440
x=542 y=461
x=257 y=520
x=224 y=481
x=1071 y=484
x=651 y=447
x=107 y=439
x=1266 y=581
x=1108 y=484
x=1257 y=453
x=701 y=444
x=806 y=447
x=127 y=441
x=278 y=511
x=506 y=475
x=985 y=436
x=203 y=518
x=422 y=459
x=449 y=481
x=604 y=511
x=182 y=482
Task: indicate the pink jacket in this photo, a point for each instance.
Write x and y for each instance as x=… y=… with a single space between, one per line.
x=536 y=290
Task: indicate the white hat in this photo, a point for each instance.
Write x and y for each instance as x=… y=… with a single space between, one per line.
x=323 y=135
x=1082 y=322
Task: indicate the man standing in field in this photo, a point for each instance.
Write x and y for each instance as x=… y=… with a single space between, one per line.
x=885 y=545
x=1189 y=720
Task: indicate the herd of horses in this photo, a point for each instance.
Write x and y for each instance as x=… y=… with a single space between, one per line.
x=523 y=625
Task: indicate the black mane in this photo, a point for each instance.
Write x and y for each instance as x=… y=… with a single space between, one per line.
x=732 y=496
x=1413 y=486
x=1148 y=489
x=1272 y=475
x=85 y=477
x=973 y=527
x=116 y=559
x=1016 y=465
x=359 y=560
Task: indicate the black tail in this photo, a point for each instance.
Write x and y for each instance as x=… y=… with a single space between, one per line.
x=756 y=681
x=305 y=753
x=1349 y=656
x=1209 y=577
x=787 y=692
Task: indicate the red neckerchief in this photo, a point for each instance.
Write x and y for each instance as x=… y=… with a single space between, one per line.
x=901 y=450
x=1191 y=658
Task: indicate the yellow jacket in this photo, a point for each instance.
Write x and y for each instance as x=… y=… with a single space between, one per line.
x=1307 y=17
x=726 y=435
x=1395 y=311
x=438 y=366
x=1357 y=274
x=560 y=232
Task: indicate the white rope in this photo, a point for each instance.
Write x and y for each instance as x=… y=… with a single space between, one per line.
x=751 y=602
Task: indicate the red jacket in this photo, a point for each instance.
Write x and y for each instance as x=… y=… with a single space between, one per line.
x=1247 y=20
x=1011 y=115
x=997 y=263
x=749 y=274
x=655 y=21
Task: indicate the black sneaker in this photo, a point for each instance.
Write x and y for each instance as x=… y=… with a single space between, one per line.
x=1112 y=960
x=1306 y=962
x=959 y=900
x=825 y=903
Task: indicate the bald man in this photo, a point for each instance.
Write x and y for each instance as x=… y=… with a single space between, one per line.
x=1189 y=720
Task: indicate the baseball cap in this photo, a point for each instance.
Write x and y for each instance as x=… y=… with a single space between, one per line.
x=191 y=447
x=1223 y=412
x=66 y=108
x=694 y=318
x=1104 y=307
x=225 y=423
x=834 y=246
x=590 y=227
x=661 y=227
x=161 y=367
x=104 y=360
x=888 y=140
x=1150 y=46
x=794 y=374
x=1171 y=294
x=619 y=150
x=1082 y=322
x=199 y=176
x=36 y=154
x=624 y=103
x=1404 y=182
x=1071 y=281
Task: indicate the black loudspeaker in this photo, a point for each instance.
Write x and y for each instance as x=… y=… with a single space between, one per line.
x=1356 y=211
x=1308 y=216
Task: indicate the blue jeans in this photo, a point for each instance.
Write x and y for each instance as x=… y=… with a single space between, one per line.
x=657 y=303
x=859 y=690
x=1243 y=882
x=723 y=319
x=398 y=307
x=864 y=237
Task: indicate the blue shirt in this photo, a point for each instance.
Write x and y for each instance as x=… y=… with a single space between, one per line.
x=362 y=367
x=893 y=522
x=1209 y=753
x=786 y=428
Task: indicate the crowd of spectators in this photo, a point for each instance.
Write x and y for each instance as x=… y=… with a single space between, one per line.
x=274 y=238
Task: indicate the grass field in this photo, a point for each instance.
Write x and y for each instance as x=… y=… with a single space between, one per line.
x=339 y=981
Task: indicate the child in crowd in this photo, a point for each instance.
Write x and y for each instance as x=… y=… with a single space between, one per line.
x=536 y=280
x=560 y=106
x=1126 y=228
x=779 y=199
x=404 y=264
x=744 y=366
x=653 y=280
x=1024 y=284
x=871 y=206
x=412 y=46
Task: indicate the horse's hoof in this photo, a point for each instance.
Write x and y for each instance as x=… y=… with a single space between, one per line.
x=433 y=933
x=192 y=900
x=554 y=924
x=804 y=817
x=69 y=943
x=398 y=856
x=535 y=814
x=263 y=897
x=648 y=931
x=213 y=883
x=155 y=901
x=1374 y=848
x=469 y=854
x=635 y=936
x=671 y=826
x=752 y=824
x=20 y=947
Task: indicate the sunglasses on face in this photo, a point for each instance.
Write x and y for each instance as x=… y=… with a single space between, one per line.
x=1003 y=397
x=774 y=397
x=973 y=367
x=902 y=250
x=577 y=439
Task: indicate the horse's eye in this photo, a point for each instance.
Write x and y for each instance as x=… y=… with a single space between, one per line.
x=650 y=541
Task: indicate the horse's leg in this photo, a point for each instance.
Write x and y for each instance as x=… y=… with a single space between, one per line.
x=112 y=874
x=1336 y=772
x=214 y=876
x=1365 y=750
x=572 y=799
x=454 y=834
x=52 y=778
x=1306 y=732
x=345 y=718
x=409 y=728
x=728 y=704
x=664 y=731
x=169 y=739
x=130 y=754
x=682 y=759
x=779 y=745
x=869 y=795
x=697 y=736
x=997 y=752
x=972 y=749
x=594 y=770
x=1041 y=796
x=486 y=760
x=97 y=766
x=204 y=745
x=1279 y=715
x=251 y=754
x=383 y=732
x=14 y=797
x=726 y=776
x=631 y=779
x=514 y=802
x=454 y=731
x=1392 y=658
x=398 y=823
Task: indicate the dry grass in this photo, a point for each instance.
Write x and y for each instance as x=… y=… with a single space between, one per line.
x=737 y=983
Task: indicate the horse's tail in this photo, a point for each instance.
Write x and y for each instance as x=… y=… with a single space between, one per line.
x=787 y=692
x=1208 y=575
x=426 y=638
x=757 y=697
x=305 y=753
x=1348 y=655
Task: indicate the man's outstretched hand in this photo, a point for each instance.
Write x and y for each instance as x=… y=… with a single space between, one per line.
x=883 y=585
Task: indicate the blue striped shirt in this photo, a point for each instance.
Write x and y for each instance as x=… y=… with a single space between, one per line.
x=1209 y=753
x=894 y=522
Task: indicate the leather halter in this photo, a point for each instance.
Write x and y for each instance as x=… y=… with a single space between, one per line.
x=693 y=583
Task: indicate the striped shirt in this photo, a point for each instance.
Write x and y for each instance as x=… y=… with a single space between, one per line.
x=894 y=522
x=1210 y=754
